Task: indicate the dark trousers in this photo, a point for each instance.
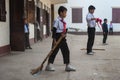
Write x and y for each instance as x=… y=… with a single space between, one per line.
x=111 y=31
x=105 y=37
x=64 y=49
x=91 y=37
x=27 y=43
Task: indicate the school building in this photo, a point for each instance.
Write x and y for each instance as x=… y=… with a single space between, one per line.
x=42 y=13
x=78 y=9
x=12 y=14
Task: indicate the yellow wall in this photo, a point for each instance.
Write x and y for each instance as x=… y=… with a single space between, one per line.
x=46 y=2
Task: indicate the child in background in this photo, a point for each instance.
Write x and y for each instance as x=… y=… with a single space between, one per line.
x=111 y=28
x=105 y=31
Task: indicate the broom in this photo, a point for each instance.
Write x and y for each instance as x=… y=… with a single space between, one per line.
x=94 y=49
x=34 y=71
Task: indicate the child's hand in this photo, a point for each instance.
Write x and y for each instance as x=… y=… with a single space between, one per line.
x=63 y=35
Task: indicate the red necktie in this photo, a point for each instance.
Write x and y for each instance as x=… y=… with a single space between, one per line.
x=64 y=25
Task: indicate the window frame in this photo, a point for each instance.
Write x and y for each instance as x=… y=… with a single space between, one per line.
x=3 y=11
x=115 y=16
x=75 y=18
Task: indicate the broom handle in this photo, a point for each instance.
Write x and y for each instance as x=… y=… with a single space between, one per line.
x=51 y=51
x=54 y=47
x=92 y=49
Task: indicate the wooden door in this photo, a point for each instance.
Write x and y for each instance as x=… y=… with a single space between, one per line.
x=17 y=25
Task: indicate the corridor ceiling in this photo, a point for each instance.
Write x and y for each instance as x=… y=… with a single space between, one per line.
x=58 y=1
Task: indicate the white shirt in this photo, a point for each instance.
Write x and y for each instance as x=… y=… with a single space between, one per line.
x=58 y=25
x=90 y=23
x=111 y=26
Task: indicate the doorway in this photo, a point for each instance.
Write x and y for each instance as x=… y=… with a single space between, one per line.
x=17 y=25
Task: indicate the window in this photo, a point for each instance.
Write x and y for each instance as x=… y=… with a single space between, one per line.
x=116 y=15
x=2 y=10
x=76 y=15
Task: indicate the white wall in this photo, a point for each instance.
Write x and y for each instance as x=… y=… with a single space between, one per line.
x=103 y=10
x=4 y=29
x=31 y=28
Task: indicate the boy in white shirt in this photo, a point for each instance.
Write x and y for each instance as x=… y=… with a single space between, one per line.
x=91 y=23
x=59 y=29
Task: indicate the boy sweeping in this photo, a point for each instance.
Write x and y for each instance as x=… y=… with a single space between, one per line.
x=59 y=29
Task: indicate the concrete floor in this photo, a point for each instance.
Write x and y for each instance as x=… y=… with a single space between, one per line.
x=103 y=65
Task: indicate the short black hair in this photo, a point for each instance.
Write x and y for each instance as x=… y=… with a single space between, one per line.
x=62 y=9
x=91 y=7
x=105 y=19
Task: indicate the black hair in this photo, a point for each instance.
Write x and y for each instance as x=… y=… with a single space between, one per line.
x=105 y=19
x=91 y=7
x=61 y=9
